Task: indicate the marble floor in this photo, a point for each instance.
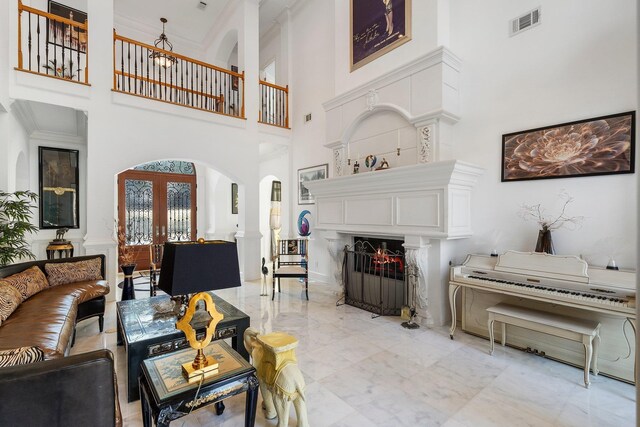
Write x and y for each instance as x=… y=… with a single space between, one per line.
x=372 y=372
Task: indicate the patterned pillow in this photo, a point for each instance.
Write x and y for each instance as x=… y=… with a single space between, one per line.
x=20 y=356
x=28 y=282
x=71 y=272
x=10 y=299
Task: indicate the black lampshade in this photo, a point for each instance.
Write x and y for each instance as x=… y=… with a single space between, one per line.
x=190 y=267
x=276 y=191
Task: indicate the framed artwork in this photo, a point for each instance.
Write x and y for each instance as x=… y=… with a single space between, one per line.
x=598 y=146
x=58 y=179
x=234 y=79
x=234 y=198
x=377 y=27
x=63 y=35
x=313 y=173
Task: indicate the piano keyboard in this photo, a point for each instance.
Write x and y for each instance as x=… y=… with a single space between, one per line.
x=570 y=294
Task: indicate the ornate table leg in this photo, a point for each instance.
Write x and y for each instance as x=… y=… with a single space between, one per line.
x=453 y=291
x=251 y=401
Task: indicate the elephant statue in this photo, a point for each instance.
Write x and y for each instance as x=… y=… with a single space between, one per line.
x=281 y=382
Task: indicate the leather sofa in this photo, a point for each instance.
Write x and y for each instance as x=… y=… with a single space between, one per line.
x=48 y=318
x=62 y=389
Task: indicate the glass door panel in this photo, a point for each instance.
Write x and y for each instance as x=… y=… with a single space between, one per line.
x=156 y=207
x=179 y=227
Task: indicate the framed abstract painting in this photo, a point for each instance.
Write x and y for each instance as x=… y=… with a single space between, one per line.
x=598 y=146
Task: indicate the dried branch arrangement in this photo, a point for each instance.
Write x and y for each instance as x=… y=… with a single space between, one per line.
x=551 y=222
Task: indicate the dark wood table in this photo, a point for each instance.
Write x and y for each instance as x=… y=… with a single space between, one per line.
x=165 y=395
x=146 y=329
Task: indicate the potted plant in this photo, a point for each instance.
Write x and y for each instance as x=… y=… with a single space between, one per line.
x=127 y=263
x=15 y=224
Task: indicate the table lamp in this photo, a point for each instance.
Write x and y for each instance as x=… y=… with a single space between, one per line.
x=194 y=268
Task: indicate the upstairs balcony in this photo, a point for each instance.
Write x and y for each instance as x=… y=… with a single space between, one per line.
x=58 y=47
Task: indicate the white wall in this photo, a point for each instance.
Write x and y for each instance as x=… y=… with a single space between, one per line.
x=312 y=83
x=427 y=34
x=579 y=63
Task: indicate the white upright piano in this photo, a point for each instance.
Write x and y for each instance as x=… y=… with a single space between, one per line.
x=555 y=284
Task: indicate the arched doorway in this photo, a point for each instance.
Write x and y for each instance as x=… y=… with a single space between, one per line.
x=156 y=204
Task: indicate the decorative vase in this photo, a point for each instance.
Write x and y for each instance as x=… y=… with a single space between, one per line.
x=545 y=244
x=128 y=292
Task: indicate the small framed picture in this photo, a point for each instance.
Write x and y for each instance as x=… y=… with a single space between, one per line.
x=234 y=198
x=598 y=146
x=312 y=173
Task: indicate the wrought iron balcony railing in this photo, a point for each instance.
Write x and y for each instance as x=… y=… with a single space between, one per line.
x=51 y=45
x=144 y=70
x=274 y=105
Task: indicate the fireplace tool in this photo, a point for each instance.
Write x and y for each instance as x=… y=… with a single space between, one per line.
x=413 y=277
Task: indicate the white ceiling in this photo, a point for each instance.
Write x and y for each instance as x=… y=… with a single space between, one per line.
x=52 y=121
x=186 y=20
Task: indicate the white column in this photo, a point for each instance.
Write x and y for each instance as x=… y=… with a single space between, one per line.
x=417 y=261
x=102 y=189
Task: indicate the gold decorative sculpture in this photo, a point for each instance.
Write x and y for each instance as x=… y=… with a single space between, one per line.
x=201 y=365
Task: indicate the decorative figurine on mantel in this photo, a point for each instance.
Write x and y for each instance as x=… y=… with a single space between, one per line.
x=383 y=165
x=265 y=272
x=370 y=161
x=356 y=167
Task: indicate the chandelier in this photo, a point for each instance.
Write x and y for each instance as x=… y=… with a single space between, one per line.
x=161 y=58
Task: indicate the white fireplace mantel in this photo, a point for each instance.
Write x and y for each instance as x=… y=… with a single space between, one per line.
x=431 y=200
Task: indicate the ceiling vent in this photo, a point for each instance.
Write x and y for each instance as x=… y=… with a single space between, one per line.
x=202 y=5
x=307 y=118
x=524 y=22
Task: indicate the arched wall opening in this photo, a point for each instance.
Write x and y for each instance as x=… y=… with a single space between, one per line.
x=385 y=133
x=22 y=172
x=213 y=217
x=228 y=46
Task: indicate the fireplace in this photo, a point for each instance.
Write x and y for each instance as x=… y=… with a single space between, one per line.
x=374 y=276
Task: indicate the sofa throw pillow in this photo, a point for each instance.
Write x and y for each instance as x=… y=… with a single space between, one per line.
x=28 y=282
x=20 y=356
x=69 y=272
x=10 y=299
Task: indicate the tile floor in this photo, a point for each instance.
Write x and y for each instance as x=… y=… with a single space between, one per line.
x=372 y=372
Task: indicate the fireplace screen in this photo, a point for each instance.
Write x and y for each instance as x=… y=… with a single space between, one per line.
x=373 y=271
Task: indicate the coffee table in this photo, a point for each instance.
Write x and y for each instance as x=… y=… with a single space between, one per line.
x=165 y=395
x=146 y=330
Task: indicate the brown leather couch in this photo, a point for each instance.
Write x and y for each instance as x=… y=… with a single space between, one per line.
x=48 y=320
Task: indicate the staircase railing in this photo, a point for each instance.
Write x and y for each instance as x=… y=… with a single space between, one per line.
x=274 y=104
x=51 y=45
x=144 y=70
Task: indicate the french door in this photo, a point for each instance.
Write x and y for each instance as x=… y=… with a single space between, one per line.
x=154 y=208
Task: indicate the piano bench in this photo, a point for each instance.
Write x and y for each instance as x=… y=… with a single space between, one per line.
x=583 y=331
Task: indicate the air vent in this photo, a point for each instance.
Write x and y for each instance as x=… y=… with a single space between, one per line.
x=307 y=117
x=524 y=22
